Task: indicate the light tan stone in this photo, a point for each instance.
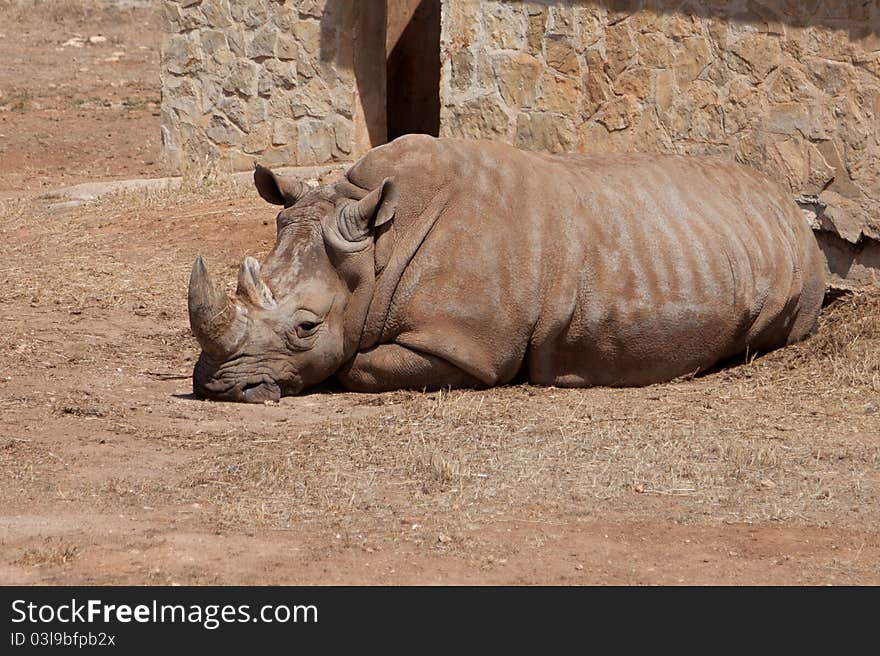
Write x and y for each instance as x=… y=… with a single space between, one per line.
x=218 y=56
x=283 y=131
x=505 y=25
x=820 y=171
x=308 y=34
x=279 y=106
x=648 y=135
x=635 y=82
x=517 y=76
x=313 y=8
x=718 y=29
x=286 y=16
x=315 y=141
x=832 y=152
x=257 y=139
x=789 y=83
x=249 y=13
x=192 y=18
x=312 y=99
x=462 y=22
x=597 y=88
x=620 y=47
x=829 y=77
x=535 y=30
x=793 y=118
x=691 y=58
x=561 y=55
x=664 y=90
x=680 y=26
x=221 y=131
x=845 y=215
x=562 y=21
x=863 y=172
x=217 y=13
x=549 y=132
x=646 y=20
x=182 y=54
x=558 y=93
x=171 y=16
x=485 y=73
x=462 y=63
x=480 y=118
x=829 y=44
x=593 y=137
x=590 y=26
x=236 y=110
x=790 y=159
x=741 y=106
x=655 y=50
x=343 y=132
x=284 y=156
x=282 y=74
x=619 y=113
x=286 y=47
x=236 y=39
x=242 y=78
x=755 y=53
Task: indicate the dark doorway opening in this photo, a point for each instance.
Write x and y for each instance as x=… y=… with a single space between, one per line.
x=412 y=71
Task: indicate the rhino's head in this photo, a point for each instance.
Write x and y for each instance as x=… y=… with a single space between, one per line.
x=286 y=328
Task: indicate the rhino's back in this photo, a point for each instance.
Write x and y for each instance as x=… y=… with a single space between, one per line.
x=685 y=262
x=603 y=269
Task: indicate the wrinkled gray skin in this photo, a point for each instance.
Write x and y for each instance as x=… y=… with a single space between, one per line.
x=286 y=329
x=449 y=263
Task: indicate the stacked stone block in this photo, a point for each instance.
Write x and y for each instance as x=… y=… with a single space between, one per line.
x=791 y=87
x=255 y=79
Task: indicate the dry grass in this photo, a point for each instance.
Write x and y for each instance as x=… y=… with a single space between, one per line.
x=848 y=343
x=53 y=553
x=96 y=309
x=794 y=435
x=210 y=186
x=45 y=262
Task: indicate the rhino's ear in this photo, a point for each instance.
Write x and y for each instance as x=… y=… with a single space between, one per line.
x=358 y=219
x=277 y=189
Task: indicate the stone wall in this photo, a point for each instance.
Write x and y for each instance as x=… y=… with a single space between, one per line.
x=272 y=79
x=791 y=87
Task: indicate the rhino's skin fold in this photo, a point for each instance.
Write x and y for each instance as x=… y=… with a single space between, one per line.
x=449 y=263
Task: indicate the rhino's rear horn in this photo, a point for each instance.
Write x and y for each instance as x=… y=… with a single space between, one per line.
x=216 y=321
x=251 y=287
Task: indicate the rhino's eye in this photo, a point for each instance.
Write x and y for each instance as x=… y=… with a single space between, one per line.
x=305 y=325
x=307 y=328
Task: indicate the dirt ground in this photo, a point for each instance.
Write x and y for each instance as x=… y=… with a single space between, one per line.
x=111 y=472
x=79 y=92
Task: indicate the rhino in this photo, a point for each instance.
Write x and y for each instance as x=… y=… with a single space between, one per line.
x=446 y=263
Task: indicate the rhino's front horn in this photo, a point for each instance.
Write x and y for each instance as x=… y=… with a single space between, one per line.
x=216 y=321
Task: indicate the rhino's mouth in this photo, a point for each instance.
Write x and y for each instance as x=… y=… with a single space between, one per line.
x=222 y=383
x=259 y=392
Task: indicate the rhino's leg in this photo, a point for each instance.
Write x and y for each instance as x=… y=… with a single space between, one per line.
x=389 y=367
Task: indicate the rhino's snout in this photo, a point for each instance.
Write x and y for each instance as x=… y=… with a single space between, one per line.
x=260 y=392
x=209 y=384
